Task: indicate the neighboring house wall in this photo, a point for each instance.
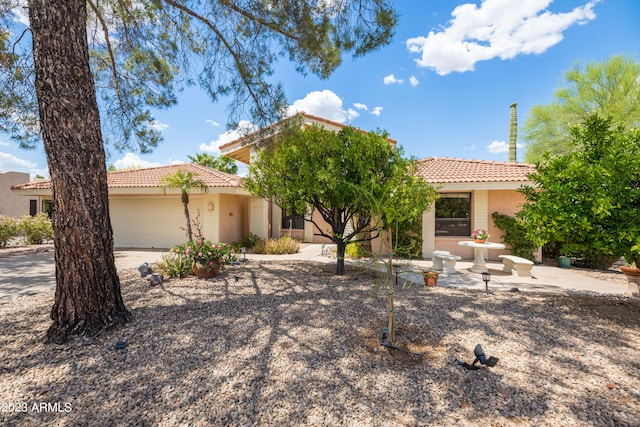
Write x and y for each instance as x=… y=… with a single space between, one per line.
x=12 y=204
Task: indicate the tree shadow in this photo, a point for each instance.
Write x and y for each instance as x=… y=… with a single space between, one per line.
x=291 y=343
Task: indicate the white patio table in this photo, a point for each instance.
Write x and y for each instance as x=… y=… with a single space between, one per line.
x=479 y=264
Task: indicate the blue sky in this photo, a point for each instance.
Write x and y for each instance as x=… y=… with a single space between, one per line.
x=442 y=87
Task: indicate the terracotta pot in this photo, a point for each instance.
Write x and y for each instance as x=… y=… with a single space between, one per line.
x=632 y=274
x=479 y=241
x=430 y=278
x=205 y=272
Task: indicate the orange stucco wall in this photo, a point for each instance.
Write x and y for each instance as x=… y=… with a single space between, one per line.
x=504 y=201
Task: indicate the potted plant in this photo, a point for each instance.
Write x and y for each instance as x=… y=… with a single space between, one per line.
x=631 y=270
x=480 y=236
x=430 y=278
x=564 y=259
x=206 y=257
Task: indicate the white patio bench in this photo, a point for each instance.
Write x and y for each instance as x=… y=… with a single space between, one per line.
x=522 y=266
x=444 y=261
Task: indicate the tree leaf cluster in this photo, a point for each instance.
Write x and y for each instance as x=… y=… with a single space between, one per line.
x=587 y=202
x=142 y=53
x=348 y=177
x=610 y=89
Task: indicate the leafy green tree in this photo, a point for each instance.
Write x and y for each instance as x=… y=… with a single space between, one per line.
x=133 y=59
x=185 y=182
x=610 y=89
x=221 y=163
x=338 y=174
x=588 y=200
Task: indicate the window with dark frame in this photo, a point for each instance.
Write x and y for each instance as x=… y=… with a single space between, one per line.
x=453 y=215
x=292 y=221
x=33 y=207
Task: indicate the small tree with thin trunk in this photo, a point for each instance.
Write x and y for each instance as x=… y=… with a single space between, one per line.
x=329 y=172
x=185 y=182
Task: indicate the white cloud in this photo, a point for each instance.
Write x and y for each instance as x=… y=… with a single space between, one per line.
x=4 y=144
x=376 y=111
x=21 y=13
x=497 y=29
x=496 y=147
x=413 y=81
x=325 y=104
x=159 y=126
x=212 y=122
x=391 y=79
x=11 y=163
x=360 y=106
x=352 y=114
x=131 y=160
x=244 y=127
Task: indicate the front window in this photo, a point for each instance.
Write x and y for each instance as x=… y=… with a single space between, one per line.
x=292 y=221
x=453 y=214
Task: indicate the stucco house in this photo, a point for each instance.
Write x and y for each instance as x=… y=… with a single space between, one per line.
x=142 y=216
x=470 y=191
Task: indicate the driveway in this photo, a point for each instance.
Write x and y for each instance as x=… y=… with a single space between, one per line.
x=27 y=274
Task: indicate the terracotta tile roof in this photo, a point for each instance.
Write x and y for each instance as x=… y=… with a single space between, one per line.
x=150 y=177
x=440 y=170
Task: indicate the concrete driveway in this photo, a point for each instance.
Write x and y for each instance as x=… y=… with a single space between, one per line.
x=27 y=274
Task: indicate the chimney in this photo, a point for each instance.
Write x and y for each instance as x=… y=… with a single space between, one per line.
x=513 y=133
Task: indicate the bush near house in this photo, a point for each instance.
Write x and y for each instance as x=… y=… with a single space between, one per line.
x=9 y=228
x=36 y=228
x=281 y=246
x=587 y=201
x=515 y=235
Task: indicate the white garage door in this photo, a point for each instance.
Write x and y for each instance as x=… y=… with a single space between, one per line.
x=149 y=222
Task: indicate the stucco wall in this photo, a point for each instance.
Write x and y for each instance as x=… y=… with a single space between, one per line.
x=230 y=218
x=484 y=203
x=12 y=204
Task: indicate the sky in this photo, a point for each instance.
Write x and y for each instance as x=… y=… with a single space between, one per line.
x=442 y=87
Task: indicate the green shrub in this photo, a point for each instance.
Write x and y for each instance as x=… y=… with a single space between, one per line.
x=355 y=250
x=36 y=228
x=515 y=235
x=9 y=228
x=174 y=265
x=283 y=245
x=248 y=241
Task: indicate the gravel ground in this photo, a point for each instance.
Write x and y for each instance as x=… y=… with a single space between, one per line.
x=292 y=344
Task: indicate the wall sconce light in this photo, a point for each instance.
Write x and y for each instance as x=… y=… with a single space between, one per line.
x=210 y=207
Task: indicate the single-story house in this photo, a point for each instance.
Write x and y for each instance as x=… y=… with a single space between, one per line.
x=143 y=217
x=470 y=191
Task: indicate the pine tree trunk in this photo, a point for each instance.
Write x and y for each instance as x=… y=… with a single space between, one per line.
x=88 y=297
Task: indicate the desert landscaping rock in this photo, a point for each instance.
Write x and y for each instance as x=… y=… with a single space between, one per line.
x=290 y=343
